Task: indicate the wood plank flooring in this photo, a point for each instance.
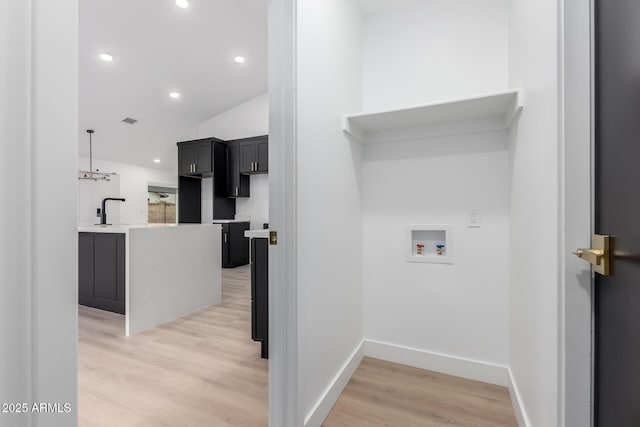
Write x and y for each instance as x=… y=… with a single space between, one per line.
x=199 y=370
x=386 y=394
x=204 y=370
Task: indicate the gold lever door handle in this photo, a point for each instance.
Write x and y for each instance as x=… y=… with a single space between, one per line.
x=592 y=256
x=598 y=256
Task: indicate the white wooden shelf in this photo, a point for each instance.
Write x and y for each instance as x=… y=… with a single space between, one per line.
x=485 y=113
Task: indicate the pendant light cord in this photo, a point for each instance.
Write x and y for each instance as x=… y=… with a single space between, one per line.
x=90 y=132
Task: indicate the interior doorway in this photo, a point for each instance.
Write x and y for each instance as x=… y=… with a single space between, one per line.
x=162 y=203
x=152 y=75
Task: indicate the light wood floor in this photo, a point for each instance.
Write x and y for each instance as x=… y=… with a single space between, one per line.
x=386 y=394
x=204 y=370
x=200 y=370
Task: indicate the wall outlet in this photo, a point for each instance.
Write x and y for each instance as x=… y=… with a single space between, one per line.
x=474 y=217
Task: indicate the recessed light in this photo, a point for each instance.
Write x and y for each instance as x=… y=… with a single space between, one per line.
x=239 y=59
x=106 y=57
x=156 y=160
x=174 y=95
x=183 y=4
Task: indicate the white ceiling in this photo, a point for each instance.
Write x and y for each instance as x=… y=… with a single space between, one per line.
x=372 y=7
x=159 y=48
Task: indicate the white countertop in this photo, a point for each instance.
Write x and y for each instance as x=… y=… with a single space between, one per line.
x=227 y=221
x=257 y=234
x=124 y=228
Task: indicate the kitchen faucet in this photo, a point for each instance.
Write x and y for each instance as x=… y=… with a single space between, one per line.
x=103 y=217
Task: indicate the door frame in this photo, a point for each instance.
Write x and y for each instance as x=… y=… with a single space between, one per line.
x=284 y=405
x=576 y=118
x=50 y=142
x=285 y=408
x=41 y=60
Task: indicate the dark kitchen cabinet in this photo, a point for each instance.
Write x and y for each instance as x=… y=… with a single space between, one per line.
x=195 y=157
x=189 y=200
x=223 y=207
x=260 y=293
x=238 y=185
x=214 y=151
x=186 y=159
x=101 y=271
x=254 y=155
x=262 y=151
x=235 y=247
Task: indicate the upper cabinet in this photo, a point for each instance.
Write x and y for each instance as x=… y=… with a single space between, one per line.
x=203 y=158
x=254 y=155
x=237 y=183
x=195 y=157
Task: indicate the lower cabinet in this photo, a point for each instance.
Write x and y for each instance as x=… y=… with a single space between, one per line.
x=235 y=247
x=101 y=271
x=260 y=293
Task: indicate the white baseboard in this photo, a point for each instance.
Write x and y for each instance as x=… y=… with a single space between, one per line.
x=324 y=405
x=516 y=401
x=446 y=364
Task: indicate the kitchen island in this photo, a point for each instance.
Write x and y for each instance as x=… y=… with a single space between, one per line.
x=152 y=274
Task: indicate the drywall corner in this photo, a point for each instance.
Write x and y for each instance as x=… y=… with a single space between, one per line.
x=329 y=398
x=516 y=401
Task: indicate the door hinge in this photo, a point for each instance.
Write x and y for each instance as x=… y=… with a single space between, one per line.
x=273 y=237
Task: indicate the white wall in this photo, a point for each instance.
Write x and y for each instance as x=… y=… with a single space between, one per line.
x=329 y=212
x=15 y=221
x=248 y=119
x=430 y=50
x=533 y=293
x=251 y=118
x=457 y=310
x=132 y=183
x=90 y=195
x=417 y=53
x=38 y=238
x=256 y=206
x=206 y=201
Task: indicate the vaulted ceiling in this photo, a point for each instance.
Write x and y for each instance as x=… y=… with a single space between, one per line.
x=159 y=48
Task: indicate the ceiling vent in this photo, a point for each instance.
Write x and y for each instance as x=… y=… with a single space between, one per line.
x=129 y=120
